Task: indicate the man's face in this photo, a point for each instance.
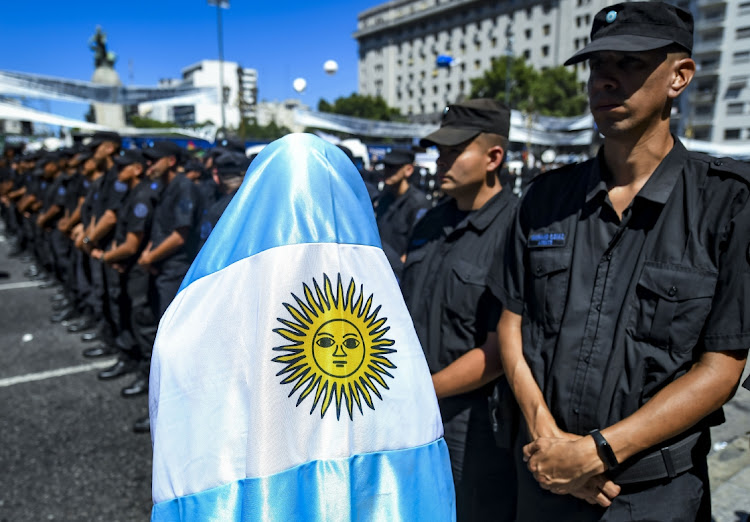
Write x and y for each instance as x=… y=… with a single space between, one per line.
x=394 y=174
x=628 y=92
x=106 y=148
x=462 y=168
x=129 y=172
x=89 y=166
x=160 y=167
x=50 y=169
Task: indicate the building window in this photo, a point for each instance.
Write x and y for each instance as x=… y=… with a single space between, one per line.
x=527 y=54
x=743 y=32
x=736 y=108
x=547 y=29
x=732 y=134
x=741 y=57
x=528 y=34
x=545 y=50
x=477 y=64
x=494 y=42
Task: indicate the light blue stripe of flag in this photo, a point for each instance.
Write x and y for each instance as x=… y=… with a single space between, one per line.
x=299 y=189
x=412 y=484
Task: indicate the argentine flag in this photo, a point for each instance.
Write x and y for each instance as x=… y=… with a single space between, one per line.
x=287 y=382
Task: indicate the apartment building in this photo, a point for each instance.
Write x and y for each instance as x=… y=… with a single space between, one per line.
x=420 y=55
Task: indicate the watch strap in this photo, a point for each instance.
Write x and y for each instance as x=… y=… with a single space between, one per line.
x=604 y=449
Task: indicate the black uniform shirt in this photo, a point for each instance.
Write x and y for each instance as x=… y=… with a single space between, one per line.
x=176 y=209
x=614 y=310
x=76 y=187
x=396 y=216
x=49 y=192
x=211 y=217
x=136 y=212
x=114 y=192
x=89 y=189
x=445 y=276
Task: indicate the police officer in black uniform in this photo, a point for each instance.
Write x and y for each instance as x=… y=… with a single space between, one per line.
x=400 y=205
x=228 y=172
x=130 y=290
x=169 y=252
x=626 y=284
x=445 y=288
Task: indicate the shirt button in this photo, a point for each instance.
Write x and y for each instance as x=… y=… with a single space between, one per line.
x=539 y=269
x=575 y=410
x=598 y=308
x=587 y=358
x=672 y=291
x=718 y=163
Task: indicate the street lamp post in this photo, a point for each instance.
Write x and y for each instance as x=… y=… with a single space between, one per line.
x=220 y=4
x=508 y=56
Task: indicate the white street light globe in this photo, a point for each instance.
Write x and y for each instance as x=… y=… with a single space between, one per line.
x=299 y=84
x=330 y=67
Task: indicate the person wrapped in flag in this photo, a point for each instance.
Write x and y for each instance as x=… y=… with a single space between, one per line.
x=287 y=381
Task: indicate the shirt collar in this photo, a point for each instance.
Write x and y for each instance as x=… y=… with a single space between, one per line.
x=659 y=185
x=484 y=216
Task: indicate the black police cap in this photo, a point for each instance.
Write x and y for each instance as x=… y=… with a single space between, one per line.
x=49 y=157
x=100 y=137
x=233 y=144
x=397 y=158
x=466 y=120
x=162 y=149
x=128 y=157
x=231 y=164
x=636 y=27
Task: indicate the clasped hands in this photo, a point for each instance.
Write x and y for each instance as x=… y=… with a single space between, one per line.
x=564 y=463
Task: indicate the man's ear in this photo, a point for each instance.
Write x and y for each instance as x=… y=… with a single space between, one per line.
x=408 y=171
x=683 y=72
x=495 y=156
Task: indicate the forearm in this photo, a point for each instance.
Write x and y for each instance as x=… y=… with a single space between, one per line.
x=49 y=215
x=125 y=250
x=169 y=246
x=680 y=405
x=539 y=420
x=472 y=370
x=103 y=226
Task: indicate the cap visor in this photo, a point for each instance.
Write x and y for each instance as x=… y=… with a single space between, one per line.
x=448 y=136
x=622 y=43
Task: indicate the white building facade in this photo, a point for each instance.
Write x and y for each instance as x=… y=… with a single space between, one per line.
x=239 y=93
x=718 y=104
x=400 y=42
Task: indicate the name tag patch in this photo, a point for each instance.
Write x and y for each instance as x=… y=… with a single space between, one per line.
x=547 y=240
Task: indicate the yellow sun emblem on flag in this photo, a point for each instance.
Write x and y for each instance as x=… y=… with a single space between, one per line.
x=338 y=352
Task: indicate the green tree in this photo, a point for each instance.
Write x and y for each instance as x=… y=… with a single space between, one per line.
x=361 y=106
x=552 y=92
x=249 y=129
x=142 y=122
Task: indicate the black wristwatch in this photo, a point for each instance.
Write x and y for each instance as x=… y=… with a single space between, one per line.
x=604 y=449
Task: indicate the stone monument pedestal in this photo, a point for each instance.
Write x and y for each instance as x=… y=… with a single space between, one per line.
x=108 y=114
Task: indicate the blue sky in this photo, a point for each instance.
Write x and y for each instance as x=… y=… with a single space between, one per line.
x=282 y=39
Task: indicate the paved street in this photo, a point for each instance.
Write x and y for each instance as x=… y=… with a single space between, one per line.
x=67 y=451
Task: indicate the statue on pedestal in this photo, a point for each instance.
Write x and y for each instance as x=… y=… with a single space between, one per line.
x=108 y=114
x=98 y=44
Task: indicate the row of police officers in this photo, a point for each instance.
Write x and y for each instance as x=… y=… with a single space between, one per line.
x=119 y=230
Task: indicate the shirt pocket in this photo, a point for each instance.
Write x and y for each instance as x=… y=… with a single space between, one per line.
x=550 y=273
x=672 y=303
x=463 y=293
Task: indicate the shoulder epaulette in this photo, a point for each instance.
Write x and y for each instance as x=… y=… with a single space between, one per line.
x=725 y=166
x=565 y=169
